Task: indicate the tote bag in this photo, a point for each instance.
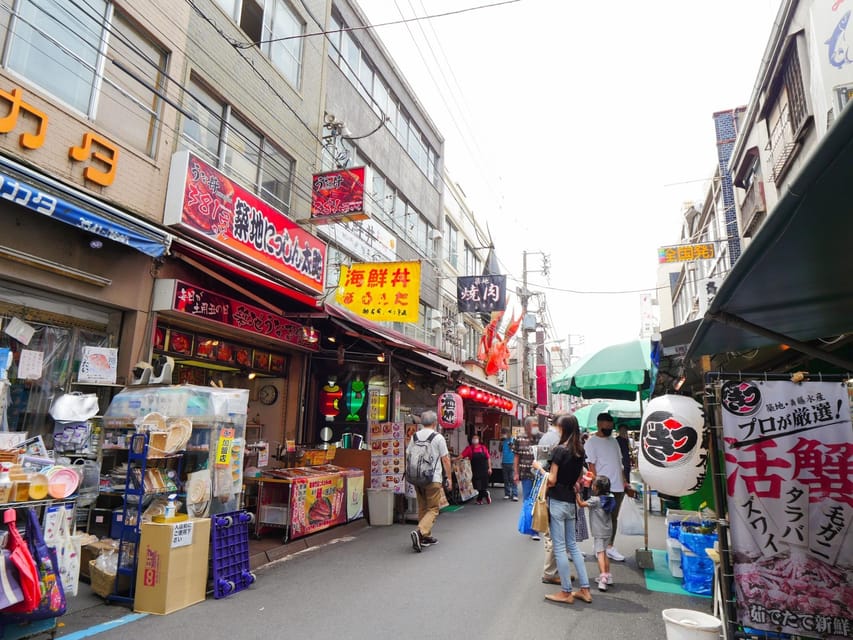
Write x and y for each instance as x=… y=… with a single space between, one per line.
x=10 y=589
x=525 y=518
x=541 y=520
x=51 y=598
x=19 y=556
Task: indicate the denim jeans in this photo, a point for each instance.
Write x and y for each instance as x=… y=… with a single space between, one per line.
x=510 y=488
x=563 y=538
x=526 y=487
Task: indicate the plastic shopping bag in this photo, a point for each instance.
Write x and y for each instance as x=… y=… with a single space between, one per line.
x=10 y=588
x=630 y=518
x=20 y=557
x=525 y=518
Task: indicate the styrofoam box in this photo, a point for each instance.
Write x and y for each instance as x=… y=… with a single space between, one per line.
x=274 y=513
x=674 y=566
x=673 y=548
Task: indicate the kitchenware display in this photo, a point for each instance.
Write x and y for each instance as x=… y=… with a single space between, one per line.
x=62 y=482
x=38 y=486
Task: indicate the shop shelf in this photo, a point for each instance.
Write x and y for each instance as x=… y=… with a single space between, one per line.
x=230 y=552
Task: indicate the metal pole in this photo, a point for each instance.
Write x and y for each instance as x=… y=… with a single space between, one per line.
x=525 y=348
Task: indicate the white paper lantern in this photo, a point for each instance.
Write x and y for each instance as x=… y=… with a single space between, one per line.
x=672 y=455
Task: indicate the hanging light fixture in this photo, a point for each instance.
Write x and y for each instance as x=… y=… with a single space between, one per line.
x=381 y=357
x=310 y=334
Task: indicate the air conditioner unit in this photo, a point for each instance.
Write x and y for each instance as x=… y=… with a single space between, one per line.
x=435 y=234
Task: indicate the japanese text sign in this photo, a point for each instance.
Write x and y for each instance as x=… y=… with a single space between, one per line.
x=381 y=291
x=223 y=448
x=182 y=534
x=789 y=451
x=481 y=294
x=192 y=300
x=206 y=203
x=450 y=410
x=92 y=146
x=686 y=253
x=338 y=195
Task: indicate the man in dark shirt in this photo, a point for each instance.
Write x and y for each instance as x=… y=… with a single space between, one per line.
x=625 y=445
x=524 y=456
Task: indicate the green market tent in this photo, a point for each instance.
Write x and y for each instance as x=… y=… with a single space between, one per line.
x=626 y=411
x=615 y=372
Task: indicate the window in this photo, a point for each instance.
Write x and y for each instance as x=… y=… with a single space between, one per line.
x=473 y=265
x=229 y=7
x=226 y=141
x=282 y=31
x=61 y=48
x=793 y=79
x=451 y=244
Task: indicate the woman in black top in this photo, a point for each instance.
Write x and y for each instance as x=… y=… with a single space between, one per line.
x=563 y=475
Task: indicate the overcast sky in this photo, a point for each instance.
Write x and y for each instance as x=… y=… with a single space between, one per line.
x=579 y=129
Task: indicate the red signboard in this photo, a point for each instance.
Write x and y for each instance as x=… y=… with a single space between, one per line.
x=338 y=196
x=200 y=303
x=206 y=203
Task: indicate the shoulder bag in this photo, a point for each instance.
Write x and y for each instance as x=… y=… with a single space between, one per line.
x=541 y=519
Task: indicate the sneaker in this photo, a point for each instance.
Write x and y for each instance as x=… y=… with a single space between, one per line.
x=613 y=554
x=479 y=501
x=602 y=583
x=488 y=498
x=608 y=578
x=515 y=498
x=507 y=497
x=428 y=540
x=535 y=536
x=416 y=540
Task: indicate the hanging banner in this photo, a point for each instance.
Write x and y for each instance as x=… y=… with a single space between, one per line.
x=338 y=196
x=686 y=253
x=481 y=294
x=206 y=203
x=788 y=451
x=381 y=291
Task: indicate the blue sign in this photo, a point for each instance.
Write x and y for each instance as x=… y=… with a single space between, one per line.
x=49 y=205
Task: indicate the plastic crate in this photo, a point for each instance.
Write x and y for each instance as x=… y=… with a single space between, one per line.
x=229 y=546
x=274 y=513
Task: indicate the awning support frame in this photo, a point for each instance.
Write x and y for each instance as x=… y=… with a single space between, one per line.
x=724 y=317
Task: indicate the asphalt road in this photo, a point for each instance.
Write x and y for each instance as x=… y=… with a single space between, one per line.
x=481 y=581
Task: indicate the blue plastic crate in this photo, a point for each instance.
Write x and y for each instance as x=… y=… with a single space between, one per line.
x=229 y=543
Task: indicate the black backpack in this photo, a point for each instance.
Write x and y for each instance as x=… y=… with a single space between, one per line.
x=420 y=461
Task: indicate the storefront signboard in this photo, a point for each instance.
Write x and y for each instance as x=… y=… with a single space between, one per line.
x=316 y=502
x=381 y=291
x=365 y=240
x=206 y=203
x=338 y=195
x=189 y=299
x=481 y=294
x=788 y=450
x=686 y=253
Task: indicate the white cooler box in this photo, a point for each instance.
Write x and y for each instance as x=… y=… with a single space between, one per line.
x=673 y=557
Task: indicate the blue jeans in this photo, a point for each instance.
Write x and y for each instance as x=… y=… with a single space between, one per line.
x=563 y=537
x=526 y=487
x=510 y=488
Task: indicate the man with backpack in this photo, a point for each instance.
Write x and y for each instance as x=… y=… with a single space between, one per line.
x=426 y=456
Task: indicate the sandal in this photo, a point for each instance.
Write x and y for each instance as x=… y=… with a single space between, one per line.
x=583 y=594
x=563 y=597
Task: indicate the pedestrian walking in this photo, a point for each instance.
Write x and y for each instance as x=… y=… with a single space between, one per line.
x=605 y=459
x=481 y=468
x=544 y=449
x=601 y=504
x=507 y=456
x=626 y=446
x=429 y=495
x=563 y=475
x=523 y=459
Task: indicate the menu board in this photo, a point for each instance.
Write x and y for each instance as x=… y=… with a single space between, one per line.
x=387 y=455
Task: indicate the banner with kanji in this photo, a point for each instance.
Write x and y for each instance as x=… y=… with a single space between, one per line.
x=788 y=453
x=481 y=294
x=381 y=291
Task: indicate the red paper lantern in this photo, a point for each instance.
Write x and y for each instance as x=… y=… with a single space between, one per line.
x=464 y=391
x=480 y=397
x=450 y=410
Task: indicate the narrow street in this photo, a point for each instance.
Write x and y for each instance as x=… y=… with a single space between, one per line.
x=481 y=581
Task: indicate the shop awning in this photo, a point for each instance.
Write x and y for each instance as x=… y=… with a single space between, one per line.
x=791 y=285
x=43 y=195
x=383 y=334
x=206 y=259
x=470 y=379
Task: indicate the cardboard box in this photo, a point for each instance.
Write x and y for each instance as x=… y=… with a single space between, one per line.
x=92 y=550
x=173 y=563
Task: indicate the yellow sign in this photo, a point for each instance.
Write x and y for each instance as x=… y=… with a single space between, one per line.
x=223 y=448
x=686 y=253
x=381 y=291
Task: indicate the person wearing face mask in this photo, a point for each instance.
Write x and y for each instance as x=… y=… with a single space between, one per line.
x=604 y=457
x=481 y=468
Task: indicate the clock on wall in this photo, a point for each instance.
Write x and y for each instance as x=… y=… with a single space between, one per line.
x=268 y=394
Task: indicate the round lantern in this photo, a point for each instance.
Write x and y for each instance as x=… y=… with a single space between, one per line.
x=464 y=391
x=450 y=410
x=672 y=454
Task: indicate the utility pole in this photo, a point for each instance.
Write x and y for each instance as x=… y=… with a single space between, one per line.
x=525 y=348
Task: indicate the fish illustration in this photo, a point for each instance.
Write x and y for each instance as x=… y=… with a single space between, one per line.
x=839 y=50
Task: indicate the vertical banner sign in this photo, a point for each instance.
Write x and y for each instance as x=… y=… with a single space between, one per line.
x=223 y=448
x=209 y=205
x=338 y=196
x=788 y=451
x=381 y=291
x=481 y=294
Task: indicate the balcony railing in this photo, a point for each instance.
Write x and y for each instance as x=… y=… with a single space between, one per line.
x=781 y=145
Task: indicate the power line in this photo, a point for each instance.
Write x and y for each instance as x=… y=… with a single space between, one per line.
x=248 y=45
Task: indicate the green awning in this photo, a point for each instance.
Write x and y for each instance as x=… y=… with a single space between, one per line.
x=792 y=281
